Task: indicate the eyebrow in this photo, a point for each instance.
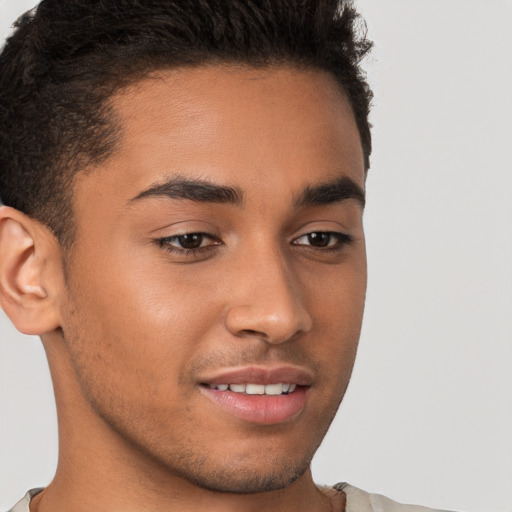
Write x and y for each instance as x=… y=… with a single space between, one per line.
x=204 y=191
x=335 y=191
x=194 y=190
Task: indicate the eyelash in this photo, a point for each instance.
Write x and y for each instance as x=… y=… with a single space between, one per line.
x=342 y=239
x=165 y=244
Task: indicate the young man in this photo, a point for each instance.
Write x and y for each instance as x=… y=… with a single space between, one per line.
x=184 y=188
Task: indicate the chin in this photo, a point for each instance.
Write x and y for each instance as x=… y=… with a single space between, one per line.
x=249 y=481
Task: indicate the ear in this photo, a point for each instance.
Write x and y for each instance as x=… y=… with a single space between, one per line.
x=30 y=272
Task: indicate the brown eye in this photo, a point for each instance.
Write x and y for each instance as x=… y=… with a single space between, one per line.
x=189 y=243
x=319 y=239
x=328 y=240
x=192 y=241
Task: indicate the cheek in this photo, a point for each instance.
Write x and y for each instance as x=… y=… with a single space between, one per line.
x=127 y=366
x=336 y=298
x=144 y=300
x=130 y=331
x=337 y=303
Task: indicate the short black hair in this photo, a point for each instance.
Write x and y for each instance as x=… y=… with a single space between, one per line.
x=67 y=58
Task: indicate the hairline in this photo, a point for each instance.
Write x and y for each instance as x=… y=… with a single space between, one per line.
x=136 y=78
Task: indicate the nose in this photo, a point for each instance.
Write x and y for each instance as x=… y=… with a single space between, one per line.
x=267 y=301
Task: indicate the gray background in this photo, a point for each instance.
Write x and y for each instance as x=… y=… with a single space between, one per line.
x=428 y=415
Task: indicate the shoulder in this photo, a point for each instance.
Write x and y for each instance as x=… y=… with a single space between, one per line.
x=361 y=501
x=24 y=504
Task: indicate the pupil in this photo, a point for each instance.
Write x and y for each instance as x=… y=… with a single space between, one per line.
x=190 y=241
x=319 y=239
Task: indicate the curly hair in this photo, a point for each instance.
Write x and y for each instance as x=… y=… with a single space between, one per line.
x=66 y=59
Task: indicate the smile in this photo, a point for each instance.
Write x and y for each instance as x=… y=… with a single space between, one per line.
x=257 y=389
x=259 y=395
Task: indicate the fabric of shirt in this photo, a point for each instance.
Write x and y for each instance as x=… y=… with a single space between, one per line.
x=357 y=501
x=361 y=501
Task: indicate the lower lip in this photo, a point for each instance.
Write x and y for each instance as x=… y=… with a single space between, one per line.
x=261 y=409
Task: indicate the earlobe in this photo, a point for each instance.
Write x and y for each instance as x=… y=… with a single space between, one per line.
x=27 y=287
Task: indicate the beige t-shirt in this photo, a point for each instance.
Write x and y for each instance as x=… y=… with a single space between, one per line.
x=357 y=501
x=361 y=501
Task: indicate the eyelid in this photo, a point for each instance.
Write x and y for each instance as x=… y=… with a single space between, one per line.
x=184 y=226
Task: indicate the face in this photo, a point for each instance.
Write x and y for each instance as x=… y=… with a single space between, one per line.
x=215 y=289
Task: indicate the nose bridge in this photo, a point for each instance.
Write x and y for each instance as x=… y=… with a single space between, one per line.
x=266 y=299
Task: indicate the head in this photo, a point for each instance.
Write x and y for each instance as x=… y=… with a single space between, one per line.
x=185 y=184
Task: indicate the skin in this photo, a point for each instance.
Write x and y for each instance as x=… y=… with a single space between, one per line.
x=133 y=324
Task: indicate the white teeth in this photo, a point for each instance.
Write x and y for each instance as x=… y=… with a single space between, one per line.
x=274 y=389
x=237 y=388
x=257 y=389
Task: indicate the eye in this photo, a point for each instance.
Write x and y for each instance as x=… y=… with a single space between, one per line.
x=327 y=240
x=188 y=242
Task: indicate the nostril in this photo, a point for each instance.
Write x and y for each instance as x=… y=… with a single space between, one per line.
x=251 y=332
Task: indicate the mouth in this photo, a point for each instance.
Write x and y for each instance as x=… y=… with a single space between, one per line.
x=259 y=395
x=277 y=389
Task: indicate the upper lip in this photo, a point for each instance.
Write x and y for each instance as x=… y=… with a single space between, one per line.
x=260 y=375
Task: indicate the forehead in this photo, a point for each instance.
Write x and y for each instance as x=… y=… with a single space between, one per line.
x=252 y=128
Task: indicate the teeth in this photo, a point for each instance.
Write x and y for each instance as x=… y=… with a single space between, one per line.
x=257 y=389
x=274 y=389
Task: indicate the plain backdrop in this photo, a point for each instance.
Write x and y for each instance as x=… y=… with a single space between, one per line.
x=428 y=415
